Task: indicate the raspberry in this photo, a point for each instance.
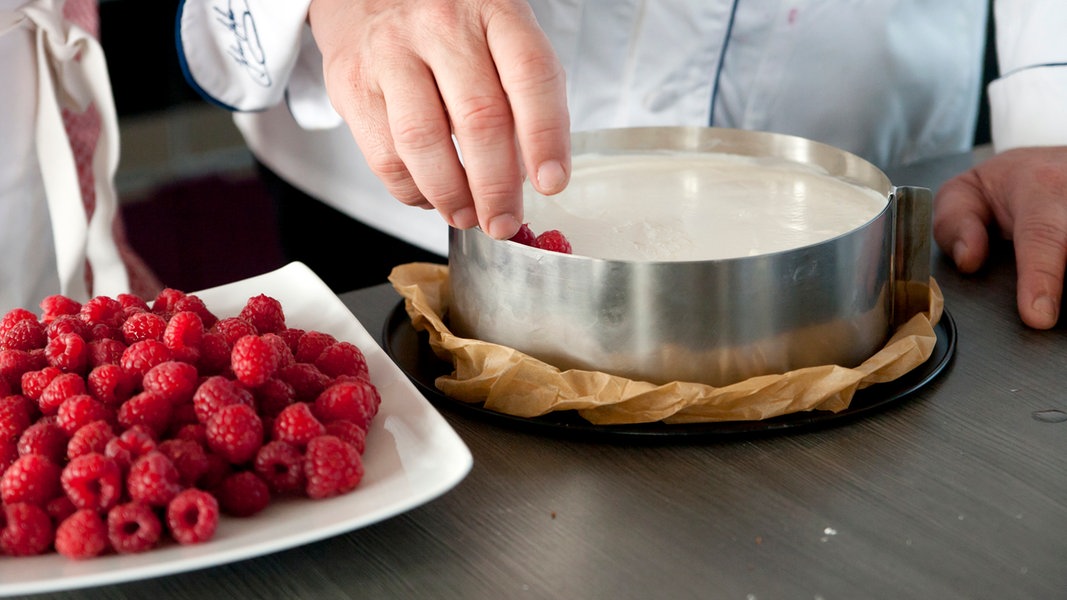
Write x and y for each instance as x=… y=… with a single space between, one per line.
x=105 y=351
x=92 y=437
x=218 y=470
x=79 y=410
x=8 y=453
x=69 y=352
x=343 y=358
x=281 y=349
x=15 y=417
x=243 y=494
x=193 y=516
x=188 y=456
x=25 y=529
x=61 y=387
x=103 y=331
x=130 y=301
x=174 y=380
x=111 y=384
x=214 y=354
x=46 y=439
x=194 y=303
x=34 y=382
x=143 y=355
x=153 y=479
x=184 y=333
x=273 y=396
x=524 y=235
x=58 y=305
x=102 y=310
x=292 y=336
x=332 y=467
x=217 y=391
x=59 y=508
x=148 y=409
x=21 y=404
x=25 y=335
x=13 y=363
x=133 y=527
x=311 y=344
x=143 y=326
x=233 y=329
x=354 y=400
x=165 y=300
x=281 y=465
x=92 y=481
x=306 y=379
x=6 y=388
x=66 y=324
x=12 y=317
x=196 y=432
x=82 y=535
x=130 y=445
x=235 y=432
x=554 y=241
x=297 y=425
x=264 y=313
x=349 y=432
x=254 y=360
x=182 y=414
x=31 y=478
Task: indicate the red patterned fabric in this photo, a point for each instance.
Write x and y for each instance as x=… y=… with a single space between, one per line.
x=83 y=130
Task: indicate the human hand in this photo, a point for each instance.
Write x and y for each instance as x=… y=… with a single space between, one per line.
x=1021 y=195
x=407 y=75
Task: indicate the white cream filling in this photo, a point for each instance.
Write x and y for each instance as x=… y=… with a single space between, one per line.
x=677 y=206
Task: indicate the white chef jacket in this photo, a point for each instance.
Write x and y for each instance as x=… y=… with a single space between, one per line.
x=46 y=237
x=893 y=81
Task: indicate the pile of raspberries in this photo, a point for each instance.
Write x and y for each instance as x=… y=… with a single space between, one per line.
x=126 y=425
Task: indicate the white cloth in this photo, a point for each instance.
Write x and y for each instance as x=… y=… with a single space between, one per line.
x=47 y=238
x=893 y=81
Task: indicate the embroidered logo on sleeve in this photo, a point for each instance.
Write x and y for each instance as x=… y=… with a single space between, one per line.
x=246 y=50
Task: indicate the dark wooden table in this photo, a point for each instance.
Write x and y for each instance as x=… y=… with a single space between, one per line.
x=958 y=491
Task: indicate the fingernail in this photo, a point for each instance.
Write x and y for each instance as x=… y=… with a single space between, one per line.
x=550 y=177
x=503 y=227
x=464 y=218
x=959 y=251
x=1046 y=306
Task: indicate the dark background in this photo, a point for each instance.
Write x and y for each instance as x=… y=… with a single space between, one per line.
x=131 y=30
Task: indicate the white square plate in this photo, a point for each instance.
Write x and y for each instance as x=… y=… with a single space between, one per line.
x=412 y=456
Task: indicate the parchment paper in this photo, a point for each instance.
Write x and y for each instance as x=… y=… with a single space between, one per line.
x=511 y=382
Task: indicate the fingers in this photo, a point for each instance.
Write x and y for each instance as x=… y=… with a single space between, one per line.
x=1022 y=195
x=508 y=111
x=1040 y=256
x=451 y=102
x=533 y=80
x=961 y=222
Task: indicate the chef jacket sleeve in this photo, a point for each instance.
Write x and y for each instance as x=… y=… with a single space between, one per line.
x=1028 y=102
x=250 y=55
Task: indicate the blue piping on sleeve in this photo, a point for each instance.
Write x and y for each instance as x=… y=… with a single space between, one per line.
x=180 y=47
x=722 y=60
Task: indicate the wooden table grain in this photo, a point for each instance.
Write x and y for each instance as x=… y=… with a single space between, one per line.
x=960 y=491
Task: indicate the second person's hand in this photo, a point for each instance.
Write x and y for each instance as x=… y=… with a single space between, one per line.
x=1021 y=195
x=408 y=75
